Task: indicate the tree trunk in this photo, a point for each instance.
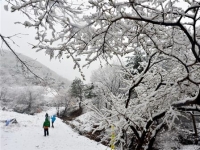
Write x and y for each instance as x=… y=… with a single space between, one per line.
x=195 y=128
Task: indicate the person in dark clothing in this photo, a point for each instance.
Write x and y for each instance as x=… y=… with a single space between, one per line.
x=46 y=126
x=46 y=116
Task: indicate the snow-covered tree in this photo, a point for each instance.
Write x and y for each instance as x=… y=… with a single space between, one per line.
x=76 y=90
x=108 y=78
x=166 y=31
x=134 y=63
x=26 y=99
x=63 y=99
x=89 y=91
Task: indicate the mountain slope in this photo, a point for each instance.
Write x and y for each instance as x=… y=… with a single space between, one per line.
x=13 y=72
x=21 y=90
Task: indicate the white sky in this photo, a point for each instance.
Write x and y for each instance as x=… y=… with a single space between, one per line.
x=8 y=28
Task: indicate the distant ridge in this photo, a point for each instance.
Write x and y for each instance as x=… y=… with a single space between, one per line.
x=13 y=72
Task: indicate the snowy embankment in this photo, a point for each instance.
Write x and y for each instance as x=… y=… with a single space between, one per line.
x=28 y=134
x=190 y=147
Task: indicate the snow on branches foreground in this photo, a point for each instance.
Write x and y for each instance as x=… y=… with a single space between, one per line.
x=165 y=32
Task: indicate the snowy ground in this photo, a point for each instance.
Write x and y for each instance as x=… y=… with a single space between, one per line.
x=190 y=147
x=28 y=134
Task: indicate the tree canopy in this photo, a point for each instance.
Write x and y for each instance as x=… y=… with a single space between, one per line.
x=76 y=89
x=166 y=32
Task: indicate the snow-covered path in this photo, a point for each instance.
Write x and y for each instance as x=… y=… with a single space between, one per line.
x=28 y=135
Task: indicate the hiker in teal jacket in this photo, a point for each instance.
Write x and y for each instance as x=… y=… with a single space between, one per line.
x=46 y=126
x=53 y=118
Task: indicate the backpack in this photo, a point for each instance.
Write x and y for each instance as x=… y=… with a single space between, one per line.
x=46 y=123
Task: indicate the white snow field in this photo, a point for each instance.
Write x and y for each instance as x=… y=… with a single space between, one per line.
x=28 y=134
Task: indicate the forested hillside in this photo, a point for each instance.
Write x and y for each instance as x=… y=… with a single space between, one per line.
x=20 y=89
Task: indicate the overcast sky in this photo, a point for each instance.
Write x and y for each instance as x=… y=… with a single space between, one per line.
x=8 y=28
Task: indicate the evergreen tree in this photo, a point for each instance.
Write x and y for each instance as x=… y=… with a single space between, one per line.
x=89 y=91
x=76 y=89
x=134 y=62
